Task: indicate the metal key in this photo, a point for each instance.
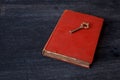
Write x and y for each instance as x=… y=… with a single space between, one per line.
x=84 y=25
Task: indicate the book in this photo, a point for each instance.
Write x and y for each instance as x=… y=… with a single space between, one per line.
x=74 y=39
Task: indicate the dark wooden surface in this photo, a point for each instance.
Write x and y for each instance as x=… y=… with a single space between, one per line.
x=25 y=26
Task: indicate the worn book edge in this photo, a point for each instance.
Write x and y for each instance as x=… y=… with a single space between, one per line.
x=66 y=58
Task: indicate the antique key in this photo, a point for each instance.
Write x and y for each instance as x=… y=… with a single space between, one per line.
x=84 y=25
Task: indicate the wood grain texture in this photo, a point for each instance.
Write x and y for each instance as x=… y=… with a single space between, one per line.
x=25 y=26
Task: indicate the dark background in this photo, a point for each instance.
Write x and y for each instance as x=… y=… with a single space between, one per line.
x=25 y=26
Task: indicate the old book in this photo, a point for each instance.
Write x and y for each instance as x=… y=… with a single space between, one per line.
x=74 y=38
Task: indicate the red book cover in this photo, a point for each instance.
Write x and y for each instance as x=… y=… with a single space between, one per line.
x=70 y=44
